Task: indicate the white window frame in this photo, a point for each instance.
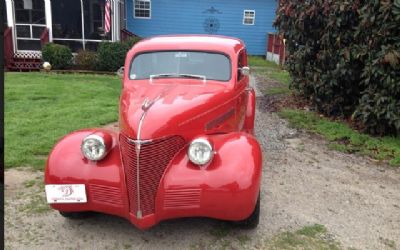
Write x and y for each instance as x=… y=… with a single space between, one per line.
x=246 y=17
x=134 y=9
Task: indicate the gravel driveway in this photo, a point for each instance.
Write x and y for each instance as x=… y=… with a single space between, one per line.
x=303 y=183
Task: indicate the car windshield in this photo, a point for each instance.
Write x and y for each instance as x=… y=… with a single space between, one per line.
x=181 y=64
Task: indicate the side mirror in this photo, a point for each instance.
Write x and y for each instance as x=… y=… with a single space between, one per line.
x=120 y=72
x=245 y=71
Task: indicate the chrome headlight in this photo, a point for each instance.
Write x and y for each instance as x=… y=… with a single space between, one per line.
x=93 y=147
x=200 y=151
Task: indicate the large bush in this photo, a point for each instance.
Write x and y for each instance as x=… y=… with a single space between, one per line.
x=111 y=56
x=86 y=60
x=379 y=36
x=345 y=56
x=59 y=56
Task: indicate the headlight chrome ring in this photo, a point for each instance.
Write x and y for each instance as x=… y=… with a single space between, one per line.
x=200 y=151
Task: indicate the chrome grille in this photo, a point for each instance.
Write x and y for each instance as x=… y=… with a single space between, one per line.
x=153 y=159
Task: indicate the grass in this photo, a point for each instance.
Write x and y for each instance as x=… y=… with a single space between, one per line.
x=34 y=200
x=243 y=239
x=269 y=69
x=309 y=237
x=345 y=139
x=284 y=90
x=37 y=205
x=220 y=231
x=29 y=183
x=40 y=108
x=388 y=243
x=259 y=61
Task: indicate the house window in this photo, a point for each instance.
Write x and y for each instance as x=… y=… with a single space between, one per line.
x=142 y=9
x=249 y=17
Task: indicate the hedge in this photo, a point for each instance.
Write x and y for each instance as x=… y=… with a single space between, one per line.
x=86 y=60
x=111 y=55
x=59 y=56
x=345 y=57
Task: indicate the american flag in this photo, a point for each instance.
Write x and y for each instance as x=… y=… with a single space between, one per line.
x=107 y=16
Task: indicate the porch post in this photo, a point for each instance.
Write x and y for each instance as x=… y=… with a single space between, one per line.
x=83 y=25
x=10 y=13
x=115 y=36
x=11 y=21
x=49 y=21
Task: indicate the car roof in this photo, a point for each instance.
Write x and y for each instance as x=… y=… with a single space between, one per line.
x=227 y=45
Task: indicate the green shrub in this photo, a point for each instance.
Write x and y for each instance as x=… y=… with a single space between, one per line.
x=59 y=56
x=345 y=56
x=131 y=41
x=86 y=60
x=379 y=105
x=111 y=56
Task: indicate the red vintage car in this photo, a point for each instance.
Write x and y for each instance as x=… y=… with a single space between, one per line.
x=185 y=146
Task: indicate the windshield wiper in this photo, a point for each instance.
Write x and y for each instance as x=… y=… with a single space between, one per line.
x=167 y=75
x=193 y=76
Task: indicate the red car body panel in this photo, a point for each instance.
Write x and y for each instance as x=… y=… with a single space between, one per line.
x=226 y=188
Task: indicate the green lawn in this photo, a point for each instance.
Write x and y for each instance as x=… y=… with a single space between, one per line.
x=270 y=70
x=40 y=108
x=308 y=237
x=345 y=139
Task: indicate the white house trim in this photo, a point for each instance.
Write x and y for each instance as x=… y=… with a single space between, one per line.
x=83 y=25
x=116 y=29
x=10 y=13
x=11 y=22
x=114 y=12
x=49 y=20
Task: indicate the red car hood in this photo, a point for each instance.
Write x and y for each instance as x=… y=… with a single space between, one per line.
x=172 y=109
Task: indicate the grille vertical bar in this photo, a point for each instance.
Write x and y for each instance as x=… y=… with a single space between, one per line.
x=153 y=159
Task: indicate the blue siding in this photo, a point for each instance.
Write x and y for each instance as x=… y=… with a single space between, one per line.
x=189 y=17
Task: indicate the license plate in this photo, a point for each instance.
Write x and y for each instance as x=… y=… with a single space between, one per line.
x=71 y=193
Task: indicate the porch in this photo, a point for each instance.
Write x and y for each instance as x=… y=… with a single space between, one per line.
x=78 y=24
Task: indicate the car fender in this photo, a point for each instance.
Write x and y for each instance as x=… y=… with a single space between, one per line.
x=104 y=180
x=227 y=188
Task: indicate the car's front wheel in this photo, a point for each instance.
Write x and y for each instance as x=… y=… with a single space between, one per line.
x=76 y=215
x=254 y=218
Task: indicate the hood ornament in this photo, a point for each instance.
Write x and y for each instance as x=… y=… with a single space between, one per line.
x=147 y=103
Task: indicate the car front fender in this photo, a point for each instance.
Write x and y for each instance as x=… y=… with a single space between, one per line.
x=227 y=188
x=104 y=180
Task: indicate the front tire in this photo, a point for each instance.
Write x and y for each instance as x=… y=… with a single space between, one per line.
x=76 y=215
x=253 y=220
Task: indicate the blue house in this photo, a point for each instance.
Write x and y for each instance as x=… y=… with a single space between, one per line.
x=249 y=20
x=80 y=24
